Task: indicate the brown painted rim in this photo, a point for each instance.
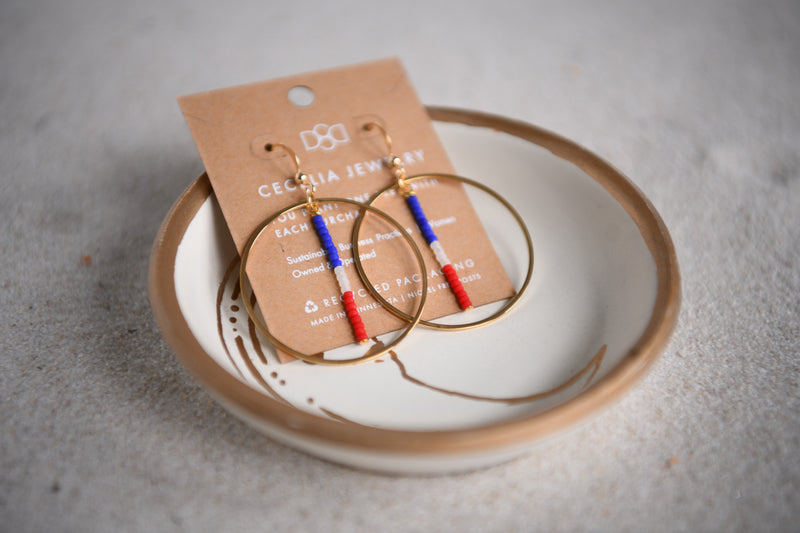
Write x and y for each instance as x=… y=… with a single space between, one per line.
x=502 y=435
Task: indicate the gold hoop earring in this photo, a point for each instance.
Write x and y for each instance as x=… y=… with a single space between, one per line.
x=403 y=186
x=312 y=206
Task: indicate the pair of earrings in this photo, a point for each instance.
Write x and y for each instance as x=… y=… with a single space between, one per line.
x=401 y=186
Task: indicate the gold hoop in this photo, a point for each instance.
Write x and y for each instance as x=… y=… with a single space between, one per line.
x=244 y=283
x=427 y=323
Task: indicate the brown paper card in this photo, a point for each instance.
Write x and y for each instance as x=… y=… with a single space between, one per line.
x=296 y=290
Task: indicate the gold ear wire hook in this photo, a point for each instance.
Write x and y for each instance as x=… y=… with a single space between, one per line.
x=394 y=162
x=387 y=139
x=300 y=177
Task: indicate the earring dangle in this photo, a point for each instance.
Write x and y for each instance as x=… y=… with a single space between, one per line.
x=403 y=186
x=312 y=207
x=399 y=172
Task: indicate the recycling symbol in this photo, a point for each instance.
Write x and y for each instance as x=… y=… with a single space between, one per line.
x=311 y=307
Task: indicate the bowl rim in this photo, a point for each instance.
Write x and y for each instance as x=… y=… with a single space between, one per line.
x=263 y=409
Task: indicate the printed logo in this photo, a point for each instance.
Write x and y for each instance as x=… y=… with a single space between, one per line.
x=311 y=307
x=324 y=136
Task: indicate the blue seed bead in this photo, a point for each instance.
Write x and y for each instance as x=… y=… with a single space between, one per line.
x=326 y=240
x=422 y=221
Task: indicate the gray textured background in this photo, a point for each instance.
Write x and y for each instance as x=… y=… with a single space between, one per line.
x=102 y=429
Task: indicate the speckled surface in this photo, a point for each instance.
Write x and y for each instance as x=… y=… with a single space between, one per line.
x=102 y=429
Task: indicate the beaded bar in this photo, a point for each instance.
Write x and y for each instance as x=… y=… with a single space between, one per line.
x=341 y=277
x=441 y=257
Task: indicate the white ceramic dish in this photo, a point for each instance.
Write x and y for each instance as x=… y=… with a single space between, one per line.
x=603 y=302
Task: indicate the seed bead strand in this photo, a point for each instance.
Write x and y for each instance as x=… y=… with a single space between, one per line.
x=441 y=257
x=341 y=277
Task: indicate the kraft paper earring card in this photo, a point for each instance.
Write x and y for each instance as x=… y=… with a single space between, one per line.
x=321 y=116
